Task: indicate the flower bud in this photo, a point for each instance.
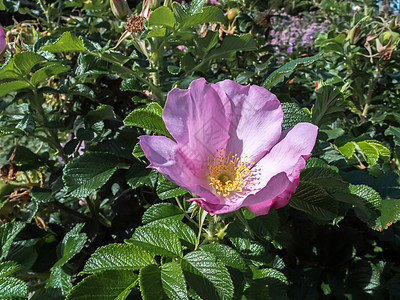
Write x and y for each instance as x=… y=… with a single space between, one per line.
x=3 y=42
x=354 y=34
x=232 y=13
x=389 y=36
x=153 y=4
x=120 y=8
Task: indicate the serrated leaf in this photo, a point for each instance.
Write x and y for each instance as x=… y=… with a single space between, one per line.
x=207 y=276
x=233 y=43
x=47 y=71
x=269 y=272
x=107 y=285
x=147 y=118
x=284 y=71
x=167 y=189
x=118 y=257
x=180 y=229
x=369 y=152
x=11 y=287
x=60 y=281
x=101 y=113
x=8 y=232
x=367 y=193
x=293 y=114
x=160 y=211
x=11 y=86
x=162 y=16
x=390 y=213
x=89 y=172
x=314 y=200
x=67 y=42
x=158 y=240
x=41 y=195
x=395 y=131
x=150 y=283
x=20 y=65
x=316 y=162
x=227 y=255
x=327 y=105
x=196 y=6
x=173 y=281
x=138 y=175
x=8 y=268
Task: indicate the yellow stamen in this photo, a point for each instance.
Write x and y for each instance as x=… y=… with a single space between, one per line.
x=229 y=174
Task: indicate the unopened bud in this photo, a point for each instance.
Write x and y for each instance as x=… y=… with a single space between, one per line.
x=354 y=34
x=153 y=4
x=120 y=8
x=389 y=37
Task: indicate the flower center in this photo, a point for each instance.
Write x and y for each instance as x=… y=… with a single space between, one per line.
x=229 y=173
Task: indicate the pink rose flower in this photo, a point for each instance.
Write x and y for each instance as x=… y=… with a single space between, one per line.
x=230 y=149
x=3 y=42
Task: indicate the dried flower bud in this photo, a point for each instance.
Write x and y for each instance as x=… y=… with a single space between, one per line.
x=120 y=8
x=135 y=24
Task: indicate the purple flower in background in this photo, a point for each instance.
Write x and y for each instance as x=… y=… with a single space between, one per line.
x=214 y=2
x=3 y=42
x=230 y=149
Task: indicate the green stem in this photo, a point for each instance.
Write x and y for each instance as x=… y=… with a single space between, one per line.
x=239 y=214
x=185 y=213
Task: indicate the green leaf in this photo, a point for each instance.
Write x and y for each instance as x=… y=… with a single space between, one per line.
x=73 y=243
x=101 y=113
x=107 y=285
x=173 y=281
x=314 y=200
x=67 y=42
x=368 y=193
x=160 y=211
x=157 y=240
x=278 y=75
x=180 y=229
x=59 y=280
x=8 y=268
x=20 y=65
x=47 y=71
x=118 y=257
x=269 y=272
x=348 y=149
x=316 y=162
x=139 y=175
x=11 y=287
x=207 y=276
x=155 y=32
x=293 y=114
x=327 y=105
x=210 y=14
x=150 y=283
x=162 y=16
x=11 y=86
x=89 y=172
x=390 y=213
x=41 y=195
x=148 y=118
x=8 y=232
x=395 y=131
x=196 y=6
x=231 y=44
x=167 y=189
x=227 y=255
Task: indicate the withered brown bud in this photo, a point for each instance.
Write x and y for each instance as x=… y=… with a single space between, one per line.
x=135 y=24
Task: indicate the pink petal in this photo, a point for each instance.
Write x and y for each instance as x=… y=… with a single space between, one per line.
x=198 y=119
x=3 y=42
x=286 y=157
x=165 y=156
x=256 y=120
